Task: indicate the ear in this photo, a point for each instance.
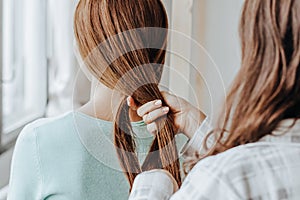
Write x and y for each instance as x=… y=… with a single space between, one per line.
x=131 y=103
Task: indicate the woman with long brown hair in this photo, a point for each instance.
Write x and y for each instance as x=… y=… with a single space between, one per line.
x=254 y=151
x=96 y=151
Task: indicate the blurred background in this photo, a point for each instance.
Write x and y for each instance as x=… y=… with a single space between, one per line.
x=40 y=76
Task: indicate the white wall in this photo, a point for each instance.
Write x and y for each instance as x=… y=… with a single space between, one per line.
x=214 y=25
x=219 y=36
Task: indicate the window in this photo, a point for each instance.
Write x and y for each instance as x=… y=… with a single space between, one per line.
x=24 y=65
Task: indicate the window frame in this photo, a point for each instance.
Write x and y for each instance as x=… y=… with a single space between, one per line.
x=9 y=134
x=1 y=66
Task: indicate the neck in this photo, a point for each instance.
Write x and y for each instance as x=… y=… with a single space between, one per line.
x=104 y=103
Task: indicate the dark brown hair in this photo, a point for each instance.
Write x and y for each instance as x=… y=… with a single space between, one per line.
x=130 y=62
x=267 y=87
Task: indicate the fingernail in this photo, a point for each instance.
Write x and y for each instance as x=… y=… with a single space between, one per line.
x=166 y=109
x=128 y=101
x=158 y=103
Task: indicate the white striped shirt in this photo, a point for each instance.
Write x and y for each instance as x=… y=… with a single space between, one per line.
x=267 y=169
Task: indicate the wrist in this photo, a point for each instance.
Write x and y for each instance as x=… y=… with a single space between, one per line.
x=194 y=118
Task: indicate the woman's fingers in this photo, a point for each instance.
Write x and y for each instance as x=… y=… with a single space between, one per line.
x=149 y=107
x=155 y=114
x=150 y=111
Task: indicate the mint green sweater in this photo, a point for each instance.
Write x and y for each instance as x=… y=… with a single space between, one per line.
x=71 y=157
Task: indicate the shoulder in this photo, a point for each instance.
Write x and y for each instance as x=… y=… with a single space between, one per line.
x=233 y=163
x=215 y=177
x=232 y=167
x=211 y=179
x=48 y=138
x=48 y=125
x=250 y=170
x=46 y=130
x=52 y=123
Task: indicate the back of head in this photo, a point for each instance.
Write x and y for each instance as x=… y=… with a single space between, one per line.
x=123 y=44
x=267 y=87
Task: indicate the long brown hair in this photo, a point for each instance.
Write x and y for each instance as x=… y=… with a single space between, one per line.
x=267 y=87
x=130 y=62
